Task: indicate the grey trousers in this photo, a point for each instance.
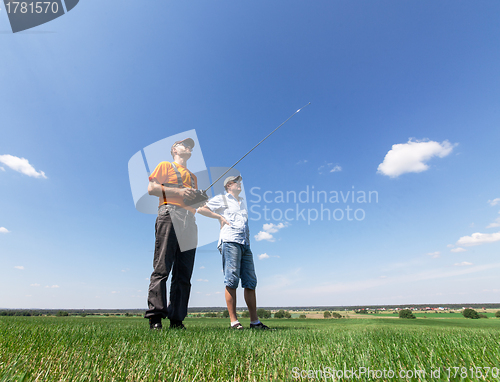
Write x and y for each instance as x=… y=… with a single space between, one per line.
x=173 y=224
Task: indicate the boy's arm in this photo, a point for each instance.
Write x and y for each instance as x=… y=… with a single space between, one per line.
x=157 y=189
x=205 y=211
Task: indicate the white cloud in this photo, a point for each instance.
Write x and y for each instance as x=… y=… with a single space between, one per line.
x=202 y=267
x=262 y=235
x=2 y=169
x=19 y=267
x=57 y=286
x=456 y=250
x=4 y=230
x=435 y=255
x=337 y=168
x=479 y=238
x=329 y=167
x=450 y=245
x=302 y=161
x=463 y=264
x=412 y=156
x=35 y=285
x=263 y=256
x=297 y=289
x=273 y=228
x=496 y=223
x=494 y=202
x=21 y=165
x=269 y=229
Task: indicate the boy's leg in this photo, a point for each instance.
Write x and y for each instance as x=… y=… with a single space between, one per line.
x=180 y=287
x=251 y=301
x=231 y=258
x=231 y=303
x=249 y=282
x=165 y=248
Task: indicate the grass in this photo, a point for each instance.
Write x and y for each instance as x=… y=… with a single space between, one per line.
x=124 y=349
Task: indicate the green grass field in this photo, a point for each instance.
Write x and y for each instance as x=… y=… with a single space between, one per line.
x=124 y=349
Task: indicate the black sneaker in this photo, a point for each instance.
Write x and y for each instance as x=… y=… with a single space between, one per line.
x=237 y=326
x=260 y=325
x=174 y=324
x=155 y=323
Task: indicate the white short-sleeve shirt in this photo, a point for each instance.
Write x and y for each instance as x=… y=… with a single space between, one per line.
x=235 y=212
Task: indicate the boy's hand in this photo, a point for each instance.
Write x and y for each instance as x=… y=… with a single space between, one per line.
x=223 y=221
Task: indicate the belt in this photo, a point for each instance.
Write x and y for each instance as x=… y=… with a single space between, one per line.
x=176 y=209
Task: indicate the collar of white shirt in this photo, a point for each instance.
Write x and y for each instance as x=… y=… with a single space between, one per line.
x=232 y=196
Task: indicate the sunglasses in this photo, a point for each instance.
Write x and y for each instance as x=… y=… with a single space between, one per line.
x=186 y=145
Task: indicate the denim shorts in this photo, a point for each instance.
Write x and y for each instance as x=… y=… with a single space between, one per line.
x=237 y=262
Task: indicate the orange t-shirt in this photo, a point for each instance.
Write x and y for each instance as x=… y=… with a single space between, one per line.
x=165 y=173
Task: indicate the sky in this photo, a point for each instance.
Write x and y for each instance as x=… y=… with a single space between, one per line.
x=399 y=148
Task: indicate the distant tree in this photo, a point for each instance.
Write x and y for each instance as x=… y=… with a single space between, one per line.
x=336 y=315
x=210 y=314
x=22 y=313
x=287 y=314
x=262 y=313
x=62 y=313
x=83 y=314
x=497 y=314
x=279 y=314
x=302 y=316
x=361 y=311
x=327 y=314
x=225 y=314
x=482 y=315
x=470 y=313
x=245 y=314
x=406 y=313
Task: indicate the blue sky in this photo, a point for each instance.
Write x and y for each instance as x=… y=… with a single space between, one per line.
x=404 y=102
